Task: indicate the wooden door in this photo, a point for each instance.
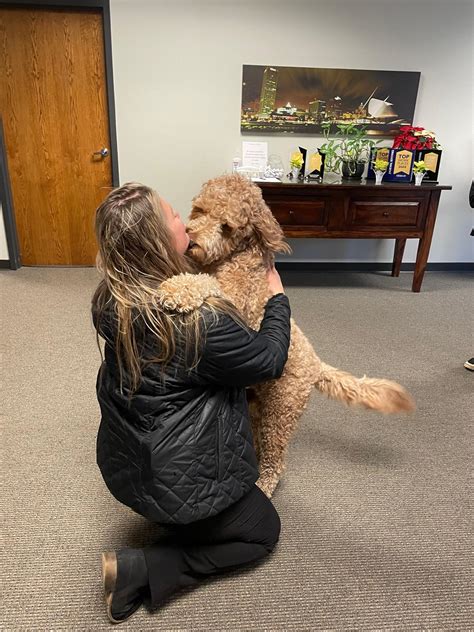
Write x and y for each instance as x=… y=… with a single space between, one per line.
x=54 y=109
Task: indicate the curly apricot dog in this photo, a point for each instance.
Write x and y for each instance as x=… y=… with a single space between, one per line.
x=234 y=237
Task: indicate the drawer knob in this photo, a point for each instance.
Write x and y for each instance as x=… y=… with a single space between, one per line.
x=291 y=212
x=386 y=214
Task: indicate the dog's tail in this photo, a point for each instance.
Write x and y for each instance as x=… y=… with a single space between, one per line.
x=376 y=394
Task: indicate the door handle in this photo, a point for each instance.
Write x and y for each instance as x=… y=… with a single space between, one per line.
x=101 y=152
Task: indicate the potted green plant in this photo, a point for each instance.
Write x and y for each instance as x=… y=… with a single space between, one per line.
x=380 y=168
x=329 y=148
x=349 y=151
x=419 y=170
x=355 y=149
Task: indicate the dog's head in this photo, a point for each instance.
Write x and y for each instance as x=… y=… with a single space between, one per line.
x=228 y=216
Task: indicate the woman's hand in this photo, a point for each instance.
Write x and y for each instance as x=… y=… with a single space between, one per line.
x=274 y=281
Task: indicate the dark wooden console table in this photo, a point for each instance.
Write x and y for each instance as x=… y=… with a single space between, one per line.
x=359 y=210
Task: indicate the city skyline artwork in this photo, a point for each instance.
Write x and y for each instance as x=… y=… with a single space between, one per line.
x=290 y=100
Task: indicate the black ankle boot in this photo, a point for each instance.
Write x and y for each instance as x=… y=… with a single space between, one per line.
x=125 y=578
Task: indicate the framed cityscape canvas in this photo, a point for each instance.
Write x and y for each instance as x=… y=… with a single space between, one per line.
x=287 y=100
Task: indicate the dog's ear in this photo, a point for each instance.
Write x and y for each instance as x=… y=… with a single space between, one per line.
x=267 y=230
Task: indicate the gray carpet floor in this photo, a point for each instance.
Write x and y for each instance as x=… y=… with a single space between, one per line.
x=375 y=510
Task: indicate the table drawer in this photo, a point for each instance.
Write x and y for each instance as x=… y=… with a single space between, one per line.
x=385 y=214
x=299 y=212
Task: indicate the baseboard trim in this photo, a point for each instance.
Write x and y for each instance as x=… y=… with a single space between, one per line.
x=354 y=266
x=349 y=266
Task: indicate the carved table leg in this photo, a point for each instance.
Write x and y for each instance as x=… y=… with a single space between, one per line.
x=425 y=242
x=398 y=256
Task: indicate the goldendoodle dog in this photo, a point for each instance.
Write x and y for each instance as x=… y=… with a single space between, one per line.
x=234 y=238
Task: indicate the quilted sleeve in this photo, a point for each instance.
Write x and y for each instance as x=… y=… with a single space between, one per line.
x=237 y=356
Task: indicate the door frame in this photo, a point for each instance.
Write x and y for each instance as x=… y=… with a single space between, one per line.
x=6 y=200
x=7 y=205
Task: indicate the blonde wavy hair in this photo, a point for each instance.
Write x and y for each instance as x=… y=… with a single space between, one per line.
x=136 y=254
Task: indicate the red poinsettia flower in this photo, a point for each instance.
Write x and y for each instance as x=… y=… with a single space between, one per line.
x=413 y=138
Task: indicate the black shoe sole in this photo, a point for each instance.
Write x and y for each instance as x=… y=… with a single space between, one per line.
x=109 y=579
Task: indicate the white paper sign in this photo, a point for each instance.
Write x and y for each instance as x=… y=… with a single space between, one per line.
x=254 y=155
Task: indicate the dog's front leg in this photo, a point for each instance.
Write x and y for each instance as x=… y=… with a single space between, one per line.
x=281 y=404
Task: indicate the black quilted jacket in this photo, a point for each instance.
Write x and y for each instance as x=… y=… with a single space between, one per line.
x=182 y=450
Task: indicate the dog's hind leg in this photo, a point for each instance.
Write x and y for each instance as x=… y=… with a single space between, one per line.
x=255 y=418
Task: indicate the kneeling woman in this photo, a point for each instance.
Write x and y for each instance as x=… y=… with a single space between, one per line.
x=174 y=442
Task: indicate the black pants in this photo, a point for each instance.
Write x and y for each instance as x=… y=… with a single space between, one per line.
x=244 y=532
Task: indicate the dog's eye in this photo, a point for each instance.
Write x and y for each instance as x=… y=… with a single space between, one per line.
x=226 y=229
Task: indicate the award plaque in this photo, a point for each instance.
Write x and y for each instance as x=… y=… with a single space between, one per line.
x=316 y=165
x=303 y=152
x=382 y=154
x=400 y=164
x=377 y=154
x=431 y=158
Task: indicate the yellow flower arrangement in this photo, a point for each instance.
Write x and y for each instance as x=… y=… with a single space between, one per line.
x=419 y=167
x=296 y=160
x=380 y=165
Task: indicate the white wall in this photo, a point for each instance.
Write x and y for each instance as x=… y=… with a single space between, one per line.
x=178 y=67
x=177 y=71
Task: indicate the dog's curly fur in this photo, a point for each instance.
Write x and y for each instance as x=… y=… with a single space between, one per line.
x=234 y=237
